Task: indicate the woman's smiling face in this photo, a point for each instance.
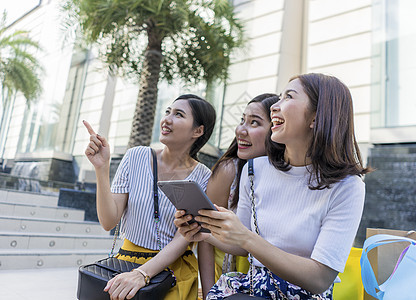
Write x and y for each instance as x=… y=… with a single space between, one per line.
x=252 y=131
x=177 y=125
x=292 y=118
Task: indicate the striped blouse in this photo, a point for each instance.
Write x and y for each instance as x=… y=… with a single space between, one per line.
x=135 y=177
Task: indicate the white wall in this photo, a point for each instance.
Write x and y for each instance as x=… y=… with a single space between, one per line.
x=336 y=39
x=339 y=44
x=255 y=69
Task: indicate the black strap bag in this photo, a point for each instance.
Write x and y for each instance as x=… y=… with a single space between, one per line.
x=93 y=278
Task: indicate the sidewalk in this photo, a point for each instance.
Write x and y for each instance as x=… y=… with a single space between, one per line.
x=39 y=284
x=42 y=284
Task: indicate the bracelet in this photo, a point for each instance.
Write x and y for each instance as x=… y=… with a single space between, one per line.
x=146 y=277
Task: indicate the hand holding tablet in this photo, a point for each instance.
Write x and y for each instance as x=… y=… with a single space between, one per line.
x=188 y=196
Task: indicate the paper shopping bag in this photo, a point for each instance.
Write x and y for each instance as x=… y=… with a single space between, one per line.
x=383 y=259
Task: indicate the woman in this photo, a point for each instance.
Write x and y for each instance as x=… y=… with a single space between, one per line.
x=308 y=198
x=185 y=128
x=249 y=142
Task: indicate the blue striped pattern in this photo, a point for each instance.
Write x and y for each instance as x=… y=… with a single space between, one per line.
x=135 y=177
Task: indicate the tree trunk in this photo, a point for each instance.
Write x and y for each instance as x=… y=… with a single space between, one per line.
x=144 y=114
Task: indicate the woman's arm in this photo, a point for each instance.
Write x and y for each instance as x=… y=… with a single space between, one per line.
x=219 y=184
x=206 y=265
x=230 y=234
x=127 y=284
x=218 y=191
x=110 y=206
x=331 y=248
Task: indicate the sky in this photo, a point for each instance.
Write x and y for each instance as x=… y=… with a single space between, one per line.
x=17 y=8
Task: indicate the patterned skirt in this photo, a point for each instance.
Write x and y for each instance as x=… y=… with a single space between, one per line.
x=263 y=286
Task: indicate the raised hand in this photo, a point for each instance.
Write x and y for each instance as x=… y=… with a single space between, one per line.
x=98 y=149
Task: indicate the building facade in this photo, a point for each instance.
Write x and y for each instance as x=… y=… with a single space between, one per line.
x=368 y=44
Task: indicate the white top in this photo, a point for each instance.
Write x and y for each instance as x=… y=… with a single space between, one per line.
x=135 y=177
x=318 y=224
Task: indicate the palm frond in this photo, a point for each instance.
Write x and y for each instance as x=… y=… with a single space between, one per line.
x=19 y=68
x=198 y=35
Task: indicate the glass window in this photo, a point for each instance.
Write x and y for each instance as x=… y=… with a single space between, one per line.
x=50 y=124
x=394 y=63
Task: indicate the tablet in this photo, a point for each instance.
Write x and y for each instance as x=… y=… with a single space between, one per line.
x=186 y=195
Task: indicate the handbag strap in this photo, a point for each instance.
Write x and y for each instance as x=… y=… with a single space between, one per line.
x=155 y=206
x=116 y=231
x=253 y=208
x=369 y=279
x=156 y=199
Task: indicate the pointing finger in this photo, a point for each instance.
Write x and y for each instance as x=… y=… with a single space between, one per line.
x=89 y=128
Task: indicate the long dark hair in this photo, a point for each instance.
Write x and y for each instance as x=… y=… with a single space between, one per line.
x=333 y=150
x=204 y=114
x=267 y=100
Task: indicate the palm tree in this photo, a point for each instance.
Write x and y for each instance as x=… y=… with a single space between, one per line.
x=19 y=71
x=152 y=39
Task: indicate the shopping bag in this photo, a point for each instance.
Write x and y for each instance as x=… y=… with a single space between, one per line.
x=383 y=259
x=351 y=286
x=400 y=283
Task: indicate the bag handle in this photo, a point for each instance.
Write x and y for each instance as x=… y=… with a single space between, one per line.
x=367 y=274
x=381 y=239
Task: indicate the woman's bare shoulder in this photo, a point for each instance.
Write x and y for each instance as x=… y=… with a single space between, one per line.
x=226 y=169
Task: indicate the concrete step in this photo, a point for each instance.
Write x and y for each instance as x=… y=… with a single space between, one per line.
x=36 y=233
x=42 y=225
x=18 y=197
x=23 y=240
x=38 y=211
x=41 y=258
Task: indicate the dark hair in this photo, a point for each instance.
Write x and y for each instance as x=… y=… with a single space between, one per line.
x=204 y=114
x=267 y=100
x=333 y=150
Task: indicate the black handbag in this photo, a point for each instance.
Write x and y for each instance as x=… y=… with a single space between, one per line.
x=93 y=278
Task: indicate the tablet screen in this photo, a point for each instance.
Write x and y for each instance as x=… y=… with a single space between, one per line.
x=186 y=195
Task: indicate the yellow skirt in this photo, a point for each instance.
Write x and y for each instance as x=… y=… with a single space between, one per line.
x=241 y=263
x=185 y=269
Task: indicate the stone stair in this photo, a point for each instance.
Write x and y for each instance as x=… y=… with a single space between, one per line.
x=36 y=233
